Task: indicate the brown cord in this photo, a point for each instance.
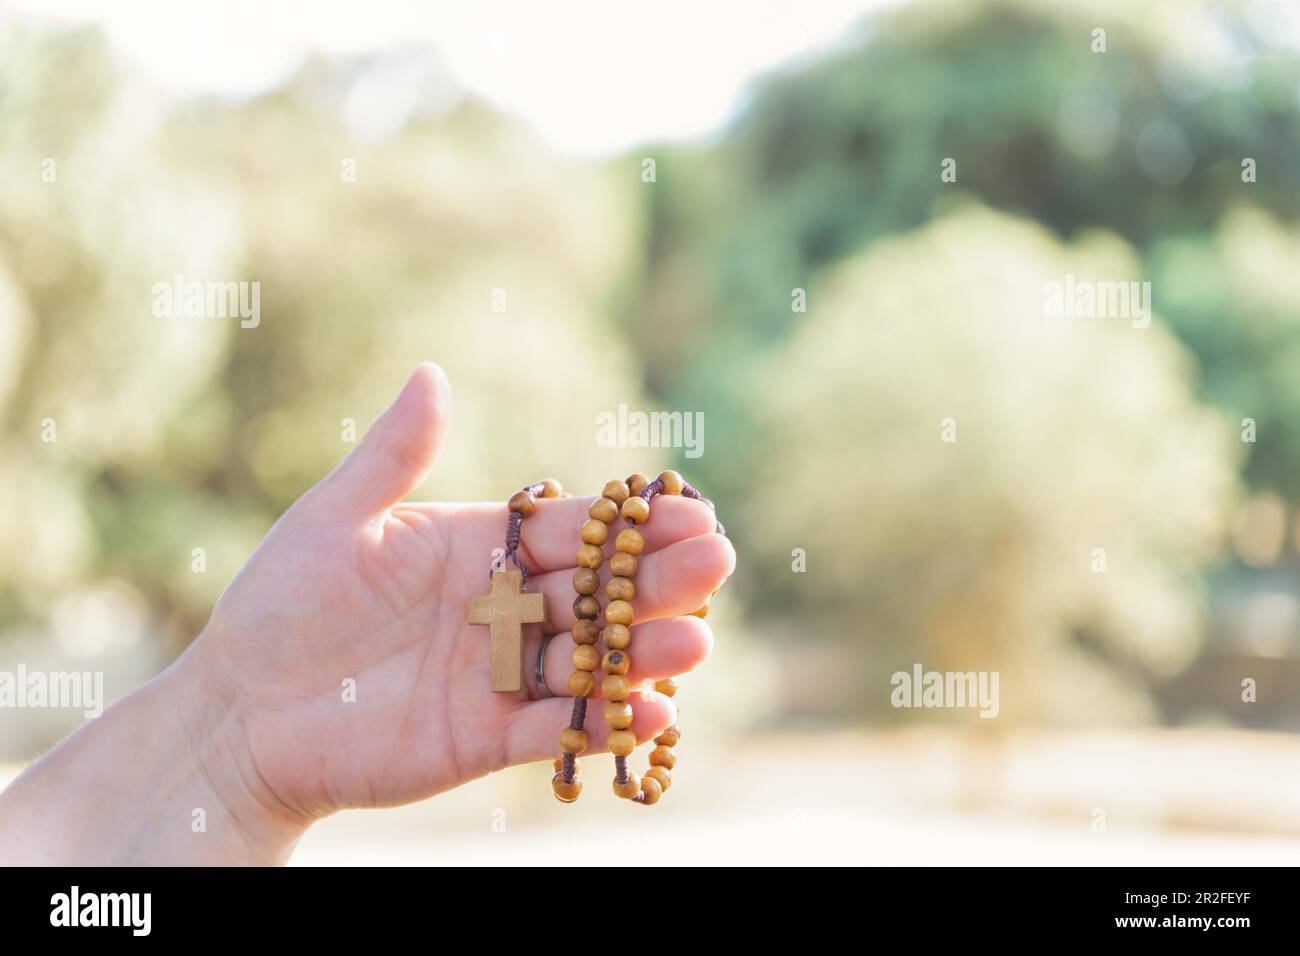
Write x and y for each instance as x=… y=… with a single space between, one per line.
x=514 y=530
x=579 y=713
x=576 y=722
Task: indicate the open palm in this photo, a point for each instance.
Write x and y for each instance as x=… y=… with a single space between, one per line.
x=345 y=643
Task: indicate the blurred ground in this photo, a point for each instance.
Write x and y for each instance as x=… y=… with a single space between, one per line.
x=920 y=798
x=1178 y=798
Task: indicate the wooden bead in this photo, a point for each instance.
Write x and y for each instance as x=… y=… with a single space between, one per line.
x=615 y=687
x=522 y=502
x=603 y=509
x=573 y=741
x=586 y=581
x=673 y=485
x=615 y=662
x=616 y=491
x=662 y=775
x=586 y=657
x=616 y=636
x=618 y=612
x=620 y=589
x=618 y=498
x=621 y=742
x=627 y=790
x=618 y=715
x=582 y=683
x=636 y=509
x=623 y=564
x=566 y=792
x=629 y=541
x=594 y=532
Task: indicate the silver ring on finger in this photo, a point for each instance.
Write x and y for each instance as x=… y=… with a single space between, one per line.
x=539 y=669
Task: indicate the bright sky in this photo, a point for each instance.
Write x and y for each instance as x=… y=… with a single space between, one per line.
x=593 y=76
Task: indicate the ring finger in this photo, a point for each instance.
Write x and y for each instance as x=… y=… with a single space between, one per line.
x=658 y=649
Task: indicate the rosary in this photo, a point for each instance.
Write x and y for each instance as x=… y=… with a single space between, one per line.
x=506 y=609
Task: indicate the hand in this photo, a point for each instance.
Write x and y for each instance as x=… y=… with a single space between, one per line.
x=350 y=584
x=250 y=731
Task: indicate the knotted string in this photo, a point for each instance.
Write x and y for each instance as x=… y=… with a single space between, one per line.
x=514 y=529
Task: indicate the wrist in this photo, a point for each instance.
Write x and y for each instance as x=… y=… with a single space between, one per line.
x=255 y=826
x=163 y=777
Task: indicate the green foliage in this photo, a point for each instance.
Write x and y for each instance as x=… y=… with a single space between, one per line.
x=183 y=433
x=834 y=155
x=924 y=303
x=977 y=553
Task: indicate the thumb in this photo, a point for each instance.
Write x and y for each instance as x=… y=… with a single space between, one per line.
x=397 y=453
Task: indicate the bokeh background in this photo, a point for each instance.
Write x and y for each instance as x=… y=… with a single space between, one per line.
x=505 y=148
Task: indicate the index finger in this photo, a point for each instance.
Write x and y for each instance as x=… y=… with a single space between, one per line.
x=549 y=540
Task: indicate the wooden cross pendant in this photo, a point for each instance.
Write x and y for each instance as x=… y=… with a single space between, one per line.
x=506 y=610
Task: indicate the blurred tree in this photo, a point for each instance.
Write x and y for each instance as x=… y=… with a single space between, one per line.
x=390 y=217
x=974 y=485
x=1146 y=140
x=449 y=235
x=1154 y=141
